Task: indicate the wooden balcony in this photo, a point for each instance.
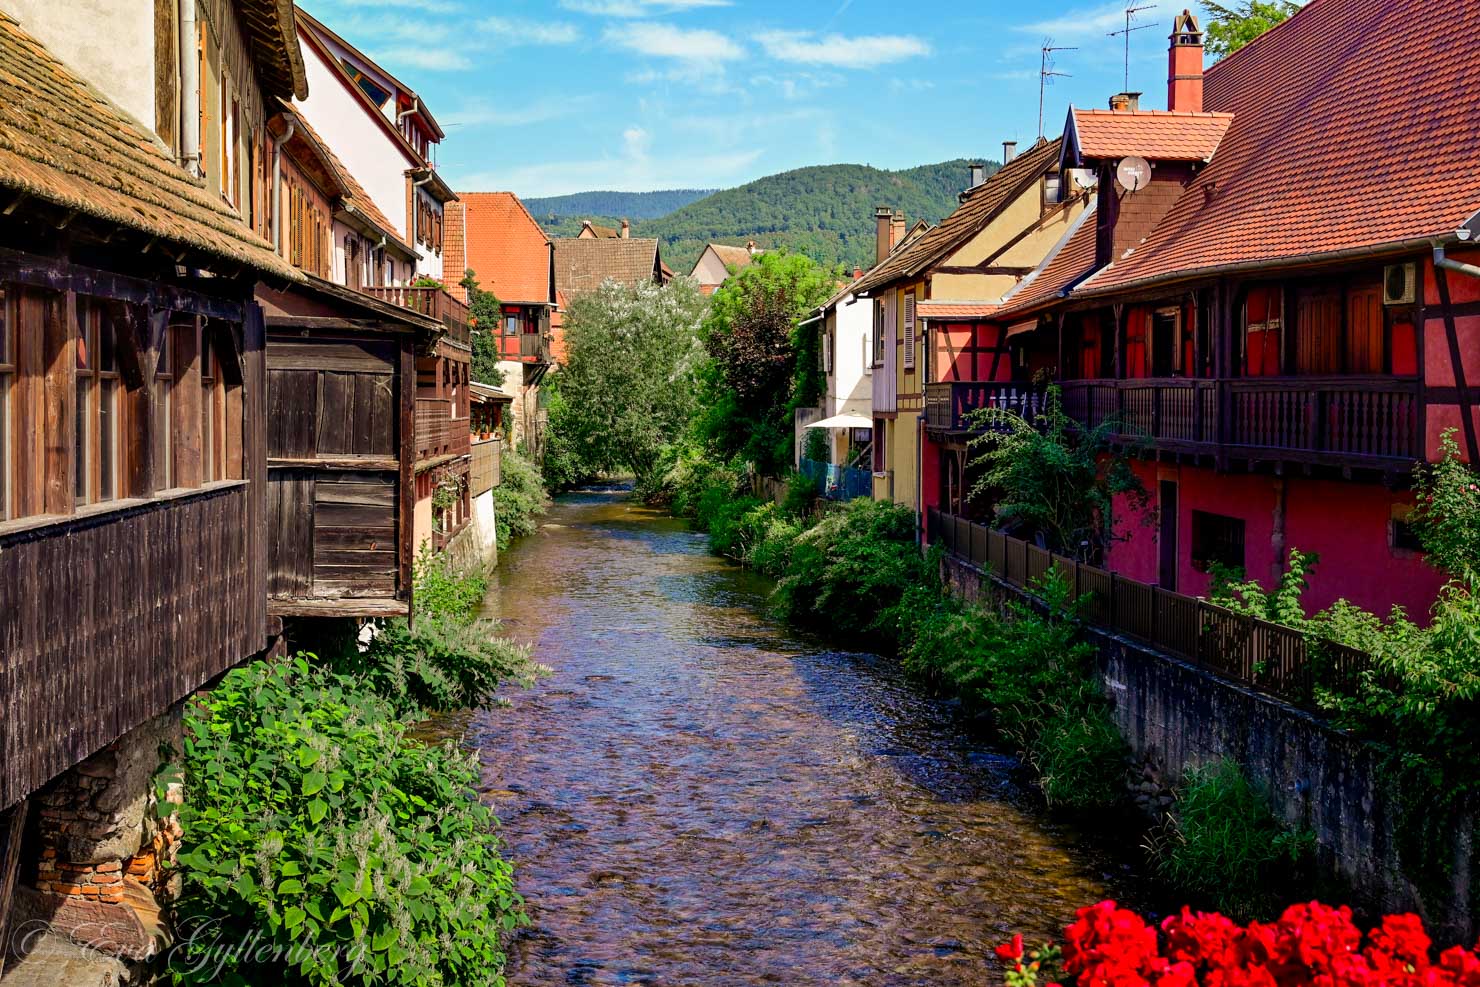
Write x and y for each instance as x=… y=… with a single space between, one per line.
x=527 y=347
x=948 y=405
x=435 y=303
x=438 y=434
x=1363 y=422
x=487 y=471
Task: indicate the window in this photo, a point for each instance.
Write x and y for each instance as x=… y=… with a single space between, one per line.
x=210 y=456
x=98 y=469
x=164 y=385
x=1053 y=188
x=1263 y=331
x=511 y=324
x=880 y=331
x=1402 y=535
x=1217 y=540
x=377 y=93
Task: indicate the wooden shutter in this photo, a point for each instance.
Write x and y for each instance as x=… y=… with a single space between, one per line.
x=909 y=332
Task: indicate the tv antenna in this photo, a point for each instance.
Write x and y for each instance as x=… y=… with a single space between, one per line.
x=1127 y=31
x=1046 y=75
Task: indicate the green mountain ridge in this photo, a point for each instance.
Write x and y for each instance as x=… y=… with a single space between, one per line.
x=633 y=205
x=825 y=212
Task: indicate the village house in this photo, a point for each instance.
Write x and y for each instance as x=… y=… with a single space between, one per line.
x=591 y=231
x=495 y=237
x=845 y=355
x=1278 y=357
x=719 y=262
x=386 y=137
x=133 y=449
x=582 y=266
x=952 y=277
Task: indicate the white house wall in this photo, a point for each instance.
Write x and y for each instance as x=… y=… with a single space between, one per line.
x=114 y=53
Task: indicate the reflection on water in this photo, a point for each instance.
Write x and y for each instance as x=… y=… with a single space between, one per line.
x=697 y=796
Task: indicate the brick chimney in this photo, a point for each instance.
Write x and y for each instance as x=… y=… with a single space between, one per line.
x=750 y=247
x=626 y=230
x=1185 y=71
x=1125 y=102
x=883 y=233
x=1009 y=151
x=978 y=175
x=897 y=229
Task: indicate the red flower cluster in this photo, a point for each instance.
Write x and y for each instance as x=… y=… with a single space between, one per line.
x=1311 y=945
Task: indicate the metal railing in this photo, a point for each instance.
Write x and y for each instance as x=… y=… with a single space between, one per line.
x=1269 y=657
x=838 y=482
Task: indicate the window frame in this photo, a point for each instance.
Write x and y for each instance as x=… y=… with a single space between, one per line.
x=1201 y=550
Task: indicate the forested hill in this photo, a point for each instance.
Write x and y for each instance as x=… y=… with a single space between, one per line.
x=633 y=205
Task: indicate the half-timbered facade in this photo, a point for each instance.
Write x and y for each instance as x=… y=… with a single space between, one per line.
x=1281 y=317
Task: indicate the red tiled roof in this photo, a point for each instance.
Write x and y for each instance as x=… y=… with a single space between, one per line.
x=1354 y=129
x=955 y=310
x=352 y=191
x=1072 y=261
x=454 y=249
x=981 y=206
x=1152 y=134
x=505 y=248
x=583 y=265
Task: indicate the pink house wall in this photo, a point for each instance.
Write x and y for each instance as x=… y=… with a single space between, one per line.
x=1438 y=364
x=1346 y=524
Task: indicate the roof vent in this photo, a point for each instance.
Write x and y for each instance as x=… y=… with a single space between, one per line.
x=1126 y=102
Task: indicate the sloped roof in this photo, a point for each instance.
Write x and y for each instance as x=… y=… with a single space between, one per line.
x=1156 y=135
x=506 y=249
x=1353 y=129
x=981 y=206
x=600 y=232
x=314 y=24
x=271 y=32
x=582 y=265
x=732 y=256
x=62 y=142
x=929 y=309
x=350 y=191
x=1072 y=260
x=454 y=250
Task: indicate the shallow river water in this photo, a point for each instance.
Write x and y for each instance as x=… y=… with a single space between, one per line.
x=698 y=796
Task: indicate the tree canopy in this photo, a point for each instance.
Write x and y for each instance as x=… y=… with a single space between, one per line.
x=487 y=314
x=1233 y=27
x=761 y=364
x=628 y=387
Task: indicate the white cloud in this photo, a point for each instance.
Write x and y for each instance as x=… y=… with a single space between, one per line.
x=638 y=8
x=484 y=114
x=443 y=60
x=518 y=30
x=839 y=51
x=1085 y=22
x=624 y=174
x=668 y=41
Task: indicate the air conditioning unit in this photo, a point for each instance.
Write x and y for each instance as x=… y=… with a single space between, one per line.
x=1400 y=284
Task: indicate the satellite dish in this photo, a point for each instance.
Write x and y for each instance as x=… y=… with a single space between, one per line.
x=1133 y=173
x=1083 y=178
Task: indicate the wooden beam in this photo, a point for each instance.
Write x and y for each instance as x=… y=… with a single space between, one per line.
x=58 y=274
x=406 y=443
x=1457 y=361
x=12 y=828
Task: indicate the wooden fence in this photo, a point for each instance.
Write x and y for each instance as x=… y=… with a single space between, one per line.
x=1269 y=657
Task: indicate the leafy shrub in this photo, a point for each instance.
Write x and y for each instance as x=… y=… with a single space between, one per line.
x=848 y=571
x=442 y=588
x=1037 y=677
x=324 y=847
x=817 y=447
x=519 y=499
x=770 y=537
x=801 y=496
x=725 y=517
x=1224 y=846
x=437 y=665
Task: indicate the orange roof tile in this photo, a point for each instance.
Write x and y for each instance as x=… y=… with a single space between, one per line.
x=1105 y=135
x=454 y=250
x=505 y=248
x=1353 y=129
x=956 y=310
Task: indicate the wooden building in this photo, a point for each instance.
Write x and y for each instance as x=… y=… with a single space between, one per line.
x=341 y=383
x=133 y=551
x=1276 y=302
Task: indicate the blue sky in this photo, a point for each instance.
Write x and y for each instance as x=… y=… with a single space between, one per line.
x=544 y=97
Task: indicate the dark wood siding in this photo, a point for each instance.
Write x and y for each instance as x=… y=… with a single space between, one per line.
x=336 y=464
x=107 y=621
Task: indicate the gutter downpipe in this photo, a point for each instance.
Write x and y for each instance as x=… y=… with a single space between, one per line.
x=189 y=89
x=277 y=182
x=1444 y=263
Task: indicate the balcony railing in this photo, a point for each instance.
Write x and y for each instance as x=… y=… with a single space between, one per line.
x=948 y=405
x=487 y=466
x=434 y=303
x=1346 y=421
x=836 y=482
x=438 y=434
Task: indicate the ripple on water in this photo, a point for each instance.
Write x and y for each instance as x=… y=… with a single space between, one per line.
x=698 y=797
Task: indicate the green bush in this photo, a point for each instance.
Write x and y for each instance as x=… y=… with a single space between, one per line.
x=518 y=499
x=1037 y=677
x=323 y=846
x=770 y=537
x=801 y=496
x=1224 y=846
x=725 y=517
x=441 y=588
x=849 y=571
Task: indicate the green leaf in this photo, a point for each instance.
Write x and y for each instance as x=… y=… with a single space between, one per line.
x=308 y=757
x=383 y=939
x=293 y=917
x=290 y=886
x=317 y=810
x=314 y=782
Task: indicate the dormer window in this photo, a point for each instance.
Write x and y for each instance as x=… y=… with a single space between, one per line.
x=378 y=94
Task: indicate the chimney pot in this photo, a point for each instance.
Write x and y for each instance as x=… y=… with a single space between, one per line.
x=897 y=229
x=626 y=230
x=1009 y=151
x=883 y=232
x=978 y=174
x=1125 y=102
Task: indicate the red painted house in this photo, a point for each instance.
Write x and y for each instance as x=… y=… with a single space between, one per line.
x=1276 y=297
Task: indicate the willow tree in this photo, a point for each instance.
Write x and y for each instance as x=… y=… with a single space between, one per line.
x=628 y=386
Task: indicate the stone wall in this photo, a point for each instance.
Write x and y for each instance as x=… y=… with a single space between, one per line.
x=1175 y=716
